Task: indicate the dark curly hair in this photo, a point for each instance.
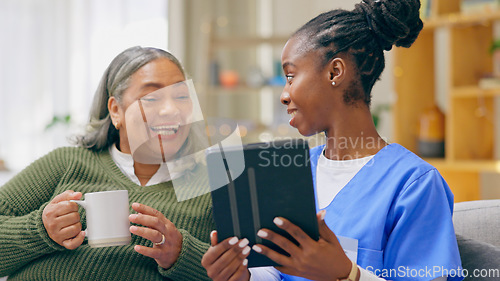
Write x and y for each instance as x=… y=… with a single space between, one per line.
x=364 y=33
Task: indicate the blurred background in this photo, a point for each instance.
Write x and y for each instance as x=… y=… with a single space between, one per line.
x=55 y=51
x=440 y=98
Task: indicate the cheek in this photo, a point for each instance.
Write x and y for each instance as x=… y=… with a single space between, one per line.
x=186 y=111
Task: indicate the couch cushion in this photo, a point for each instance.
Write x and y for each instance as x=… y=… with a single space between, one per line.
x=481 y=261
x=478 y=220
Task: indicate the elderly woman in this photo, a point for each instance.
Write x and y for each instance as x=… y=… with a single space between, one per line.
x=41 y=235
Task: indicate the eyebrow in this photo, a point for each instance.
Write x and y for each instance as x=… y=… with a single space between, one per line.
x=159 y=85
x=287 y=64
x=152 y=84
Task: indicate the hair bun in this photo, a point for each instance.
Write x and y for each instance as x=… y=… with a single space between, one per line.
x=393 y=22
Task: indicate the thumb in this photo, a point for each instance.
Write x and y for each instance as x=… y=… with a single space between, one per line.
x=213 y=238
x=324 y=231
x=75 y=196
x=66 y=196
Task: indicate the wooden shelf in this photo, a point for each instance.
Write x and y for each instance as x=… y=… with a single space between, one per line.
x=474 y=92
x=465 y=165
x=456 y=19
x=240 y=90
x=461 y=41
x=234 y=42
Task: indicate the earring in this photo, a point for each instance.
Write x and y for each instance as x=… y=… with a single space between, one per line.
x=117 y=126
x=333 y=83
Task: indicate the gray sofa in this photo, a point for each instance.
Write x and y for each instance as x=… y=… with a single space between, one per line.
x=477 y=225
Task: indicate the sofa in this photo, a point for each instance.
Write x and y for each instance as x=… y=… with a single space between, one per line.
x=477 y=226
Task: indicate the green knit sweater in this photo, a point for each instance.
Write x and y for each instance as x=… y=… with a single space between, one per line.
x=28 y=253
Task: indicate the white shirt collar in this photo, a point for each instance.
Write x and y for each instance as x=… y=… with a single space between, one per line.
x=125 y=162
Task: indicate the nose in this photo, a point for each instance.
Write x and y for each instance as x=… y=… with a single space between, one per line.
x=285 y=97
x=169 y=108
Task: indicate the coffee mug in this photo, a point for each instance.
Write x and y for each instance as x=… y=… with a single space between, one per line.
x=107 y=218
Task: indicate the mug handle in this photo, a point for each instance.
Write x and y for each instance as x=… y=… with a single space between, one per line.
x=84 y=205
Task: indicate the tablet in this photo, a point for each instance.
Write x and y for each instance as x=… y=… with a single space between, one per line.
x=254 y=183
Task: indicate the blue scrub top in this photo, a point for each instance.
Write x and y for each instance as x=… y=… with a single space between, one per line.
x=399 y=208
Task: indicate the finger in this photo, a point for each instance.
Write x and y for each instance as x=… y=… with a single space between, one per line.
x=74 y=242
x=153 y=235
x=70 y=231
x=144 y=209
x=67 y=219
x=324 y=231
x=227 y=264
x=242 y=272
x=273 y=255
x=56 y=210
x=66 y=196
x=232 y=269
x=296 y=232
x=149 y=221
x=153 y=253
x=217 y=251
x=282 y=242
x=213 y=238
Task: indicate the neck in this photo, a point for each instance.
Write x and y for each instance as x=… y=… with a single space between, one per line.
x=145 y=172
x=355 y=136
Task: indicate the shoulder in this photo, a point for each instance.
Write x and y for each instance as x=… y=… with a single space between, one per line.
x=70 y=154
x=417 y=176
x=70 y=151
x=405 y=161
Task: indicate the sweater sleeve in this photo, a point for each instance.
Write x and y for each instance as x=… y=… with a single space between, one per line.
x=188 y=265
x=23 y=237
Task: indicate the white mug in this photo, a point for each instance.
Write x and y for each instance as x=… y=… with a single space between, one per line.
x=107 y=218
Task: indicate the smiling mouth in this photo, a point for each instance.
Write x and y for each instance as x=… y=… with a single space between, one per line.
x=166 y=130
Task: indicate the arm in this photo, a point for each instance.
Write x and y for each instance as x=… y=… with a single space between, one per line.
x=422 y=237
x=23 y=237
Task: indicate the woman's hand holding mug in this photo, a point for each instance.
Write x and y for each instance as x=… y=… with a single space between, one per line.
x=166 y=238
x=62 y=221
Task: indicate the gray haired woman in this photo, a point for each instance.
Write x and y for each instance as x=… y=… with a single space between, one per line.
x=142 y=107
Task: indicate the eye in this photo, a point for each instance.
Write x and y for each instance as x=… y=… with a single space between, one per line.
x=289 y=79
x=148 y=99
x=182 y=97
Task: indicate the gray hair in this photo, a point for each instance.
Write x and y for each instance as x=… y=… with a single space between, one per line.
x=100 y=133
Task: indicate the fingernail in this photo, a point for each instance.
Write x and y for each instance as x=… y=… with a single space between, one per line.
x=136 y=205
x=278 y=221
x=133 y=228
x=212 y=233
x=246 y=250
x=257 y=249
x=233 y=241
x=322 y=215
x=243 y=243
x=133 y=216
x=261 y=233
x=245 y=262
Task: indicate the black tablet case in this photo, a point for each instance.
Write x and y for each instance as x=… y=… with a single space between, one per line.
x=277 y=178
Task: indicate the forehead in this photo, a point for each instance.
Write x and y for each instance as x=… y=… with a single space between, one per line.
x=161 y=71
x=298 y=51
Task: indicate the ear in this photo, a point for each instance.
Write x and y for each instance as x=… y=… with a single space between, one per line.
x=114 y=111
x=337 y=69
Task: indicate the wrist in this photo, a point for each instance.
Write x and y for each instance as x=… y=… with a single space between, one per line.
x=353 y=274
